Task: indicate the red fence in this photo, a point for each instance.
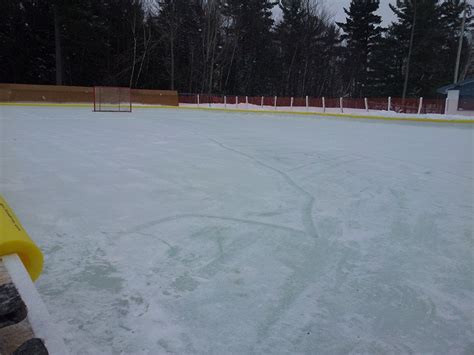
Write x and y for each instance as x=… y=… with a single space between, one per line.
x=299 y=102
x=433 y=106
x=466 y=104
x=354 y=103
x=379 y=104
x=408 y=105
x=332 y=103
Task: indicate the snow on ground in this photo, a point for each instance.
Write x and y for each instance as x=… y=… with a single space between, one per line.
x=209 y=232
x=463 y=115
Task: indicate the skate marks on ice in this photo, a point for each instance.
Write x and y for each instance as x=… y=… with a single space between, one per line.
x=307 y=208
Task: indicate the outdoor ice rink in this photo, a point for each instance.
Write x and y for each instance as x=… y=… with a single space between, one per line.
x=198 y=232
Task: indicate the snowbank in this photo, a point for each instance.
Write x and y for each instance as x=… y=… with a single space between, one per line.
x=333 y=110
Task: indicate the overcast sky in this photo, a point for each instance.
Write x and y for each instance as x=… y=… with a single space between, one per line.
x=336 y=7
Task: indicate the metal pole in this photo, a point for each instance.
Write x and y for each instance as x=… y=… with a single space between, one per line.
x=461 y=40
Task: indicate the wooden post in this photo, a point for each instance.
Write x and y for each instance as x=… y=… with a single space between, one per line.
x=341 y=105
x=420 y=105
x=225 y=101
x=236 y=102
x=261 y=103
x=389 y=103
x=275 y=103
x=198 y=99
x=247 y=102
x=307 y=104
x=366 y=104
x=291 y=104
x=324 y=104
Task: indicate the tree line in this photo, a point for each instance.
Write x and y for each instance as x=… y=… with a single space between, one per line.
x=240 y=47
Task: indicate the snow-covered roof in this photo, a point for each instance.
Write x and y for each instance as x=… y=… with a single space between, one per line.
x=445 y=89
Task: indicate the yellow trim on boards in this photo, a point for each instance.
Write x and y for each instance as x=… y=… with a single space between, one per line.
x=326 y=114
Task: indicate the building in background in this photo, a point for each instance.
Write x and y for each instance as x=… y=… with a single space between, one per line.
x=460 y=97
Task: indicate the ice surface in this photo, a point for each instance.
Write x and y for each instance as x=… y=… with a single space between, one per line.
x=208 y=232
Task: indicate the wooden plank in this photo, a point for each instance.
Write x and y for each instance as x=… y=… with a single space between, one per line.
x=12 y=337
x=12 y=307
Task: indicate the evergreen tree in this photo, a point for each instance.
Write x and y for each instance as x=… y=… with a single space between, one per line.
x=249 y=52
x=27 y=42
x=451 y=16
x=362 y=34
x=290 y=38
x=435 y=43
x=423 y=63
x=231 y=46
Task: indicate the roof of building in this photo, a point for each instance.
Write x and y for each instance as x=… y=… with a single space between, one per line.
x=445 y=89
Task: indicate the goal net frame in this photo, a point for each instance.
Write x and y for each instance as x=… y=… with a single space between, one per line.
x=112 y=99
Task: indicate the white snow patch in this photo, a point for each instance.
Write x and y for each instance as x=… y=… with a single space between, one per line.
x=348 y=111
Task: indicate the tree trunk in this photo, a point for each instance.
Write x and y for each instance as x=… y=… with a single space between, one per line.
x=191 y=70
x=134 y=59
x=172 y=61
x=57 y=45
x=145 y=50
x=410 y=49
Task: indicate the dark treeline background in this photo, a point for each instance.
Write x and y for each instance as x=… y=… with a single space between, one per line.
x=232 y=47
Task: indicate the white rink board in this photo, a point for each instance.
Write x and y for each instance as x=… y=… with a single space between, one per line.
x=210 y=232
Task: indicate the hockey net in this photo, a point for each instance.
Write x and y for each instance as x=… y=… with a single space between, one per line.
x=112 y=99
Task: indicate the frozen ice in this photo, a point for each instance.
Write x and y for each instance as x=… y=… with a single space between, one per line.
x=186 y=231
